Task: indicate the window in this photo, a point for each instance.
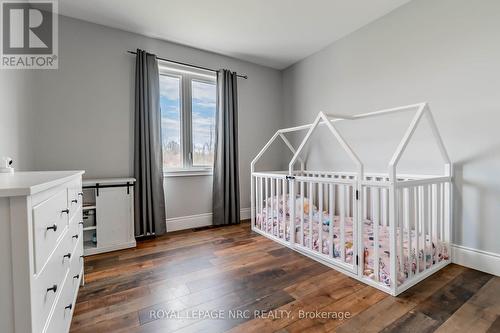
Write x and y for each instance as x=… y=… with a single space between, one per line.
x=188 y=104
x=170 y=105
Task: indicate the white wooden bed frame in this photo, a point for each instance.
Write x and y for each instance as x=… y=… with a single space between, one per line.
x=421 y=204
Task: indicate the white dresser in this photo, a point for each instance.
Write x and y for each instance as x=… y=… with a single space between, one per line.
x=41 y=250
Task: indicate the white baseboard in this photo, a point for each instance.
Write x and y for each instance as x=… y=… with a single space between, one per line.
x=198 y=220
x=245 y=214
x=481 y=260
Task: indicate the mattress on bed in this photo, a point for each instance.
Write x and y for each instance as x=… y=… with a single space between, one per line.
x=278 y=224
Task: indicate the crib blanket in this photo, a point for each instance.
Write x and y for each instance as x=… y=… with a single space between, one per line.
x=277 y=223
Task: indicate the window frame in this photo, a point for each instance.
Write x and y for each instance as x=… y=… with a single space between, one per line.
x=187 y=75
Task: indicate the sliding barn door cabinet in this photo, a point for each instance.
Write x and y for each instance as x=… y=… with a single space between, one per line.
x=108 y=215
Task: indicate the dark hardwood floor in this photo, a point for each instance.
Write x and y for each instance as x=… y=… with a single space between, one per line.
x=197 y=281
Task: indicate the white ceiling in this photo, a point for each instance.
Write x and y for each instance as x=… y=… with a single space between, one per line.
x=274 y=33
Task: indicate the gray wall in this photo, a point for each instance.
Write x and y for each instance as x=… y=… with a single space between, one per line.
x=15 y=140
x=15 y=107
x=84 y=113
x=446 y=52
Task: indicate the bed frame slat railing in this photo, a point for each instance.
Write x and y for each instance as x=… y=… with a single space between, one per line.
x=342 y=205
x=302 y=212
x=261 y=203
x=428 y=217
x=320 y=217
x=375 y=219
x=276 y=225
x=270 y=219
x=331 y=212
x=279 y=198
x=400 y=230
x=283 y=219
x=431 y=220
x=389 y=230
x=291 y=223
x=267 y=205
x=421 y=231
x=417 y=228
x=310 y=208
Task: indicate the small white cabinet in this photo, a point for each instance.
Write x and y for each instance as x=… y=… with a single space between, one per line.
x=108 y=212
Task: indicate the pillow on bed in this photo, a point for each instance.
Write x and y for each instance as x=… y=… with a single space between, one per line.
x=277 y=202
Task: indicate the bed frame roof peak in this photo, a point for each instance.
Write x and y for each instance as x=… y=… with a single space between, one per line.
x=329 y=120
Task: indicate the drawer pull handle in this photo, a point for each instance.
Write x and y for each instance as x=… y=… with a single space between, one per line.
x=80 y=194
x=80 y=222
x=68 y=255
x=75 y=236
x=65 y=211
x=74 y=201
x=77 y=276
x=53 y=288
x=69 y=307
x=53 y=227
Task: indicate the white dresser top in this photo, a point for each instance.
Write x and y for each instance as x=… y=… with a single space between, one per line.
x=32 y=182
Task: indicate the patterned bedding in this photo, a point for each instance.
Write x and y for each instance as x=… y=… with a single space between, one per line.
x=433 y=252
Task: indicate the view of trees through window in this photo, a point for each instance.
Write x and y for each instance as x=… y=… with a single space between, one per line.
x=187 y=145
x=170 y=104
x=203 y=120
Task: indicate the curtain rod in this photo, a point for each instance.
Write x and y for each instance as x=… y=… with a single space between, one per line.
x=243 y=76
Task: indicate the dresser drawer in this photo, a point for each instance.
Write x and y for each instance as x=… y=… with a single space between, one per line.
x=50 y=221
x=77 y=217
x=49 y=283
x=76 y=235
x=76 y=266
x=60 y=320
x=75 y=198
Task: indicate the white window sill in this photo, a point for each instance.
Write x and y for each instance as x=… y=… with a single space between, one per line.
x=188 y=172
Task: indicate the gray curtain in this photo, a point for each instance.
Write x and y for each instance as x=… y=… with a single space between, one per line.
x=226 y=188
x=148 y=155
